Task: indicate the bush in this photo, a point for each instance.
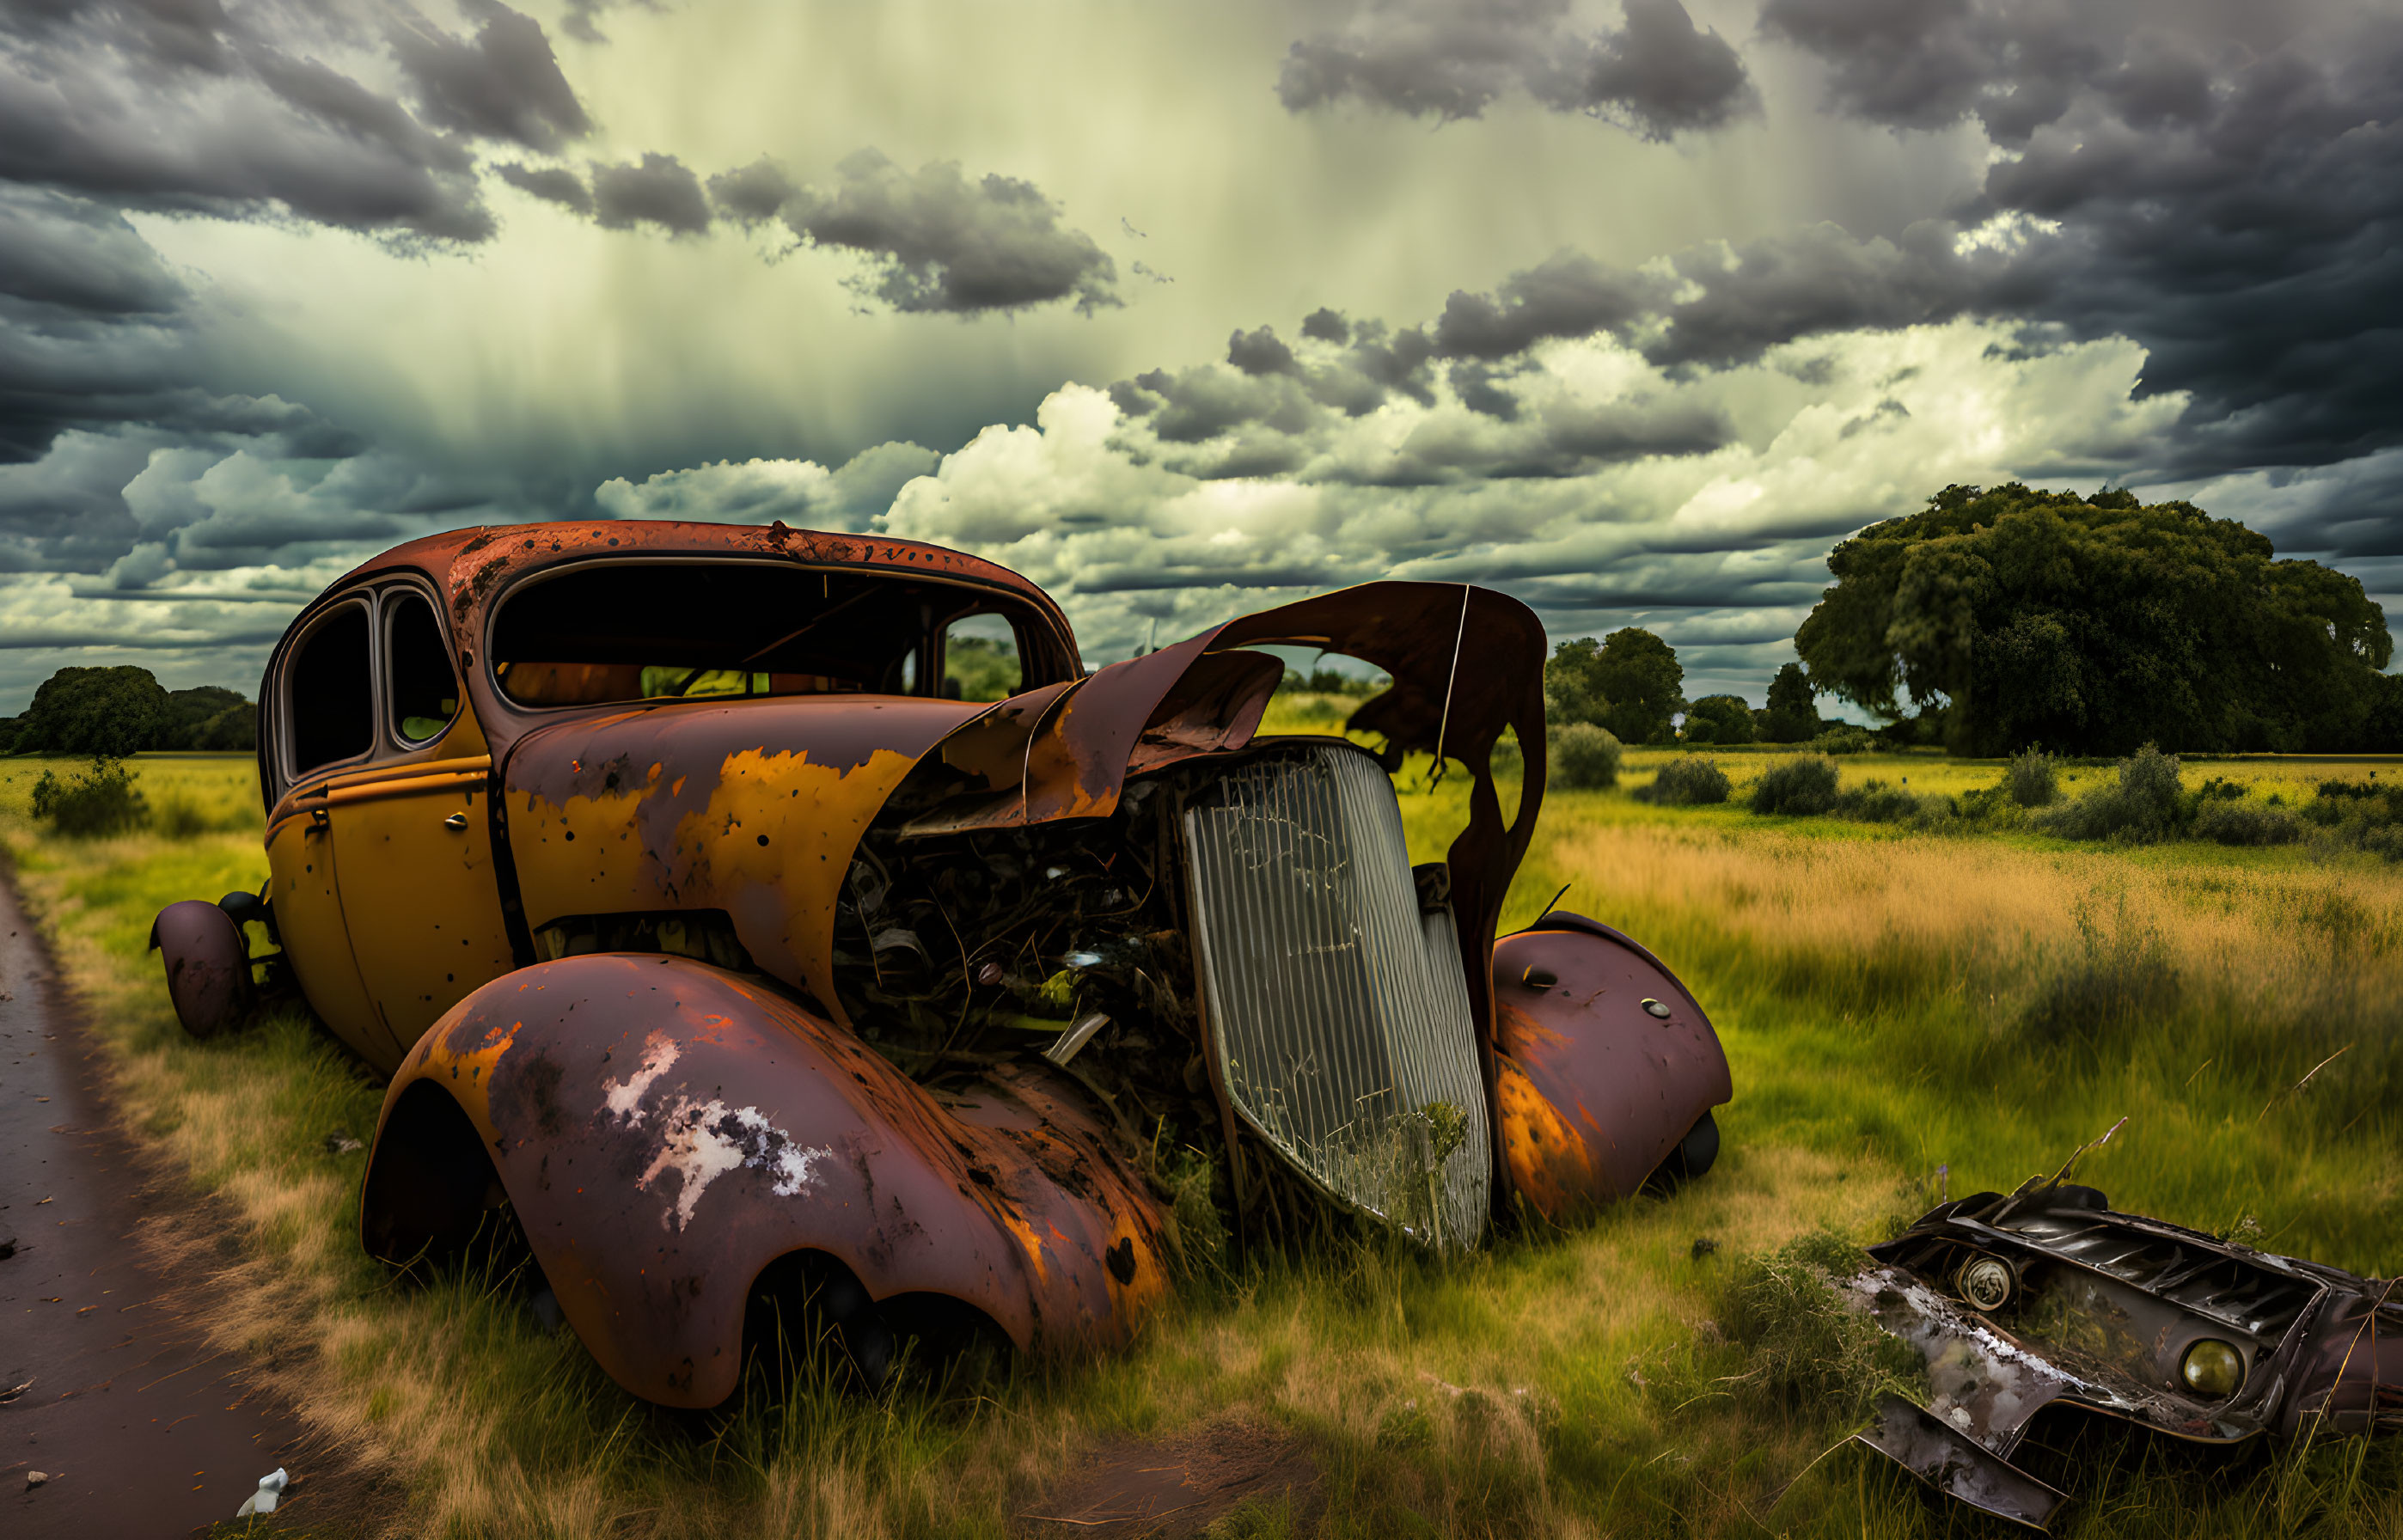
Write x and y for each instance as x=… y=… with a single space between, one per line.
x=180 y=817
x=2141 y=806
x=1584 y=757
x=1803 y=785
x=1875 y=802
x=1685 y=783
x=1808 y=1349
x=2032 y=778
x=100 y=800
x=2234 y=824
x=1844 y=739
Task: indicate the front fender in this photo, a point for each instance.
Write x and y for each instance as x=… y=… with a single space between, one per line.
x=665 y=1129
x=1595 y=1088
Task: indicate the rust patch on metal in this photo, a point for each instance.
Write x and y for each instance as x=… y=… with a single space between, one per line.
x=1610 y=1086
x=665 y=1130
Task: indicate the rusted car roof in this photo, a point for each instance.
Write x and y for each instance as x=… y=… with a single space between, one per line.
x=470 y=563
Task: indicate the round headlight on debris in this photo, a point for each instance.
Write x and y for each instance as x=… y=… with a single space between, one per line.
x=1986 y=1283
x=2211 y=1367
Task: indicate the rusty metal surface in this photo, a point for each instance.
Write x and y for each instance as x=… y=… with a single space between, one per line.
x=1956 y=1465
x=1597 y=1089
x=753 y=808
x=665 y=1130
x=2100 y=1310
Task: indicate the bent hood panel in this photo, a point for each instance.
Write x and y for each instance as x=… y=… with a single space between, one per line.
x=753 y=808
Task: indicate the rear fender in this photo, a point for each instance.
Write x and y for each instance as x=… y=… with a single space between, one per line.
x=664 y=1131
x=1594 y=1090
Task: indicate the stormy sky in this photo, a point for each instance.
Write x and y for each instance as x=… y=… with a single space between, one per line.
x=1629 y=307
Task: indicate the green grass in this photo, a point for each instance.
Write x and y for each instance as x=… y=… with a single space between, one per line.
x=1892 y=1002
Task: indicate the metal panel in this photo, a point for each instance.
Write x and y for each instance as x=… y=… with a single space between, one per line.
x=1337 y=1011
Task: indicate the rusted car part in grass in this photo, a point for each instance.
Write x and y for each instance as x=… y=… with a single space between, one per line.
x=708 y=934
x=2047 y=1299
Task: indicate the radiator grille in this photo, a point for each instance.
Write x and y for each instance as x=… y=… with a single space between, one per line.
x=1337 y=1011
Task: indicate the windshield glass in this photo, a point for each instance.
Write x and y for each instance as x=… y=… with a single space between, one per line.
x=645 y=630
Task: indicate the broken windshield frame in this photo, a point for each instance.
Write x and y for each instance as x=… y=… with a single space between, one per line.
x=620 y=632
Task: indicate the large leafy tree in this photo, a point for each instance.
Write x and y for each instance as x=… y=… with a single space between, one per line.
x=189 y=712
x=2094 y=625
x=112 y=712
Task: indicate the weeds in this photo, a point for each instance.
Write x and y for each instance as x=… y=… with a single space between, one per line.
x=2238 y=823
x=2117 y=977
x=1806 y=1349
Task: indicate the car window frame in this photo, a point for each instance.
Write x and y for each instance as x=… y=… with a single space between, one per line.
x=388 y=731
x=287 y=748
x=984 y=598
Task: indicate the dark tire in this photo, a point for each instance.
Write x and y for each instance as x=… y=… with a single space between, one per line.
x=208 y=967
x=1693 y=1156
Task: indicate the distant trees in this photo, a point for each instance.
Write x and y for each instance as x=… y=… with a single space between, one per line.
x=113 y=712
x=1627 y=682
x=1719 y=719
x=1793 y=714
x=2094 y=625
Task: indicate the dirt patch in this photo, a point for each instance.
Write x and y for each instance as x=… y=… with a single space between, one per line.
x=108 y=1384
x=1177 y=1488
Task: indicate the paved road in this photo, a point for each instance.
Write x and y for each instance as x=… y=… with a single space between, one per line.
x=144 y=1431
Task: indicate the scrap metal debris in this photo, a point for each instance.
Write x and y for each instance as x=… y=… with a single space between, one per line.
x=2047 y=1298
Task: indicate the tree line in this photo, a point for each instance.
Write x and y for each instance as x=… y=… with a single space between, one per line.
x=1994 y=621
x=1631 y=684
x=113 y=712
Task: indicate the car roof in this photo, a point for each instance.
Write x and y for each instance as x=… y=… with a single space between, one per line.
x=470 y=563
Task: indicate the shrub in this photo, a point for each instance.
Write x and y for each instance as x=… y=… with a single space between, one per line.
x=102 y=799
x=1803 y=785
x=2032 y=778
x=180 y=817
x=2113 y=979
x=2141 y=805
x=1844 y=739
x=2234 y=824
x=1875 y=802
x=1808 y=1349
x=1685 y=783
x=1584 y=757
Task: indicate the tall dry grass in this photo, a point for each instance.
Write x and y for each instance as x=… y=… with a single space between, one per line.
x=1882 y=998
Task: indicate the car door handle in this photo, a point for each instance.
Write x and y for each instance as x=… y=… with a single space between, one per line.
x=456 y=821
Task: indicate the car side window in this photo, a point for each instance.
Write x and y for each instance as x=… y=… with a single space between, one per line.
x=980 y=659
x=329 y=695
x=420 y=690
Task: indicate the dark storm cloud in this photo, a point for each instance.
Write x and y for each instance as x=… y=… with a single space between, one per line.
x=174 y=104
x=936 y=241
x=660 y=190
x=753 y=194
x=1450 y=59
x=504 y=83
x=552 y=183
x=2233 y=202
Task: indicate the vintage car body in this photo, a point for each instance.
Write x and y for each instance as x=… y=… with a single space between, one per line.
x=2047 y=1298
x=929 y=1003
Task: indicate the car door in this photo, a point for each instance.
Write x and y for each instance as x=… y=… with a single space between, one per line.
x=322 y=700
x=412 y=834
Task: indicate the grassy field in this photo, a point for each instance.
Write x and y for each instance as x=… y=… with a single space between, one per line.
x=1906 y=1013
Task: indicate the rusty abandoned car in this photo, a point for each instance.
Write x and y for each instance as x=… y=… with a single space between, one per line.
x=2045 y=1297
x=708 y=936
